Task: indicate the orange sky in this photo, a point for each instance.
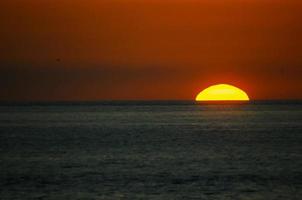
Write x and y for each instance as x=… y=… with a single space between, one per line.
x=147 y=49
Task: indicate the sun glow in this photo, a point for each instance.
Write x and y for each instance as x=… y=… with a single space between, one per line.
x=222 y=92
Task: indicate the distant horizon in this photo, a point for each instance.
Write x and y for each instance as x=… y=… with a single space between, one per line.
x=149 y=102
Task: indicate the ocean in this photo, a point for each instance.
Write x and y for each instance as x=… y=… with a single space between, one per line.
x=151 y=150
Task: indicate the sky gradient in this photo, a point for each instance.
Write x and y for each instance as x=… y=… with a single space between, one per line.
x=148 y=49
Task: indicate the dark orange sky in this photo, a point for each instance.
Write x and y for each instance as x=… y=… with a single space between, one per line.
x=147 y=49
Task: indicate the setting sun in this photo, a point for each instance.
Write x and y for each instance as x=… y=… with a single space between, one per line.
x=222 y=92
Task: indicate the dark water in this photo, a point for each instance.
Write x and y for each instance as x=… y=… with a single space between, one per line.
x=151 y=151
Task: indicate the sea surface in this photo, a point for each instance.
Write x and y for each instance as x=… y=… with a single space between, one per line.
x=151 y=150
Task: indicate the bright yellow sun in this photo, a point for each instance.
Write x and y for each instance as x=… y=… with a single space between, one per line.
x=222 y=92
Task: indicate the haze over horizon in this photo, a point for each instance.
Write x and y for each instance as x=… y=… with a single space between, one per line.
x=129 y=49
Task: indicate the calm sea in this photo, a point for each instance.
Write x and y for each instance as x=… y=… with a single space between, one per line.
x=151 y=150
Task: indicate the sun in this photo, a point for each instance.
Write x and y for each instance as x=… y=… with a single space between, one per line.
x=222 y=92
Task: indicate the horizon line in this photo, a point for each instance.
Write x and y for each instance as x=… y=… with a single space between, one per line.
x=143 y=102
